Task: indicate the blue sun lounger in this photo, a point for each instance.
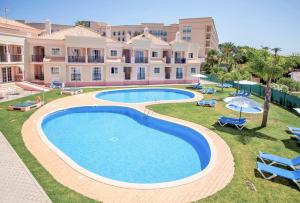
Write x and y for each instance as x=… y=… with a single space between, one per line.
x=264 y=169
x=237 y=122
x=197 y=86
x=211 y=102
x=225 y=85
x=208 y=91
x=273 y=159
x=293 y=129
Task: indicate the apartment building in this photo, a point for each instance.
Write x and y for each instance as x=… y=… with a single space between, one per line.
x=79 y=56
x=12 y=44
x=195 y=30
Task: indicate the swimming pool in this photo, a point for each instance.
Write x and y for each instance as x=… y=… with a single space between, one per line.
x=138 y=95
x=132 y=147
x=245 y=109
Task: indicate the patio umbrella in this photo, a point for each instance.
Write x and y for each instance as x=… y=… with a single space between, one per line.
x=246 y=82
x=199 y=76
x=243 y=105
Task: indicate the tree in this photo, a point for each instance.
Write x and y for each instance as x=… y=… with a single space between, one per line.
x=276 y=50
x=265 y=66
x=238 y=75
x=222 y=76
x=227 y=51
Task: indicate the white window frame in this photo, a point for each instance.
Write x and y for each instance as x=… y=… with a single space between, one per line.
x=54 y=72
x=194 y=69
x=114 y=70
x=156 y=52
x=191 y=55
x=155 y=68
x=112 y=51
x=79 y=71
x=177 y=68
x=141 y=73
x=55 y=49
x=100 y=73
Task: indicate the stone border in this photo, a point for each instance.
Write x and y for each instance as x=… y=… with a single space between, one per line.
x=215 y=179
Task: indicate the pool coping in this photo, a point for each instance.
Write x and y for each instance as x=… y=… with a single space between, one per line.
x=207 y=183
x=196 y=96
x=110 y=181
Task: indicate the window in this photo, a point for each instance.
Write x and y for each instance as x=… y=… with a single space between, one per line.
x=187 y=29
x=119 y=33
x=179 y=73
x=119 y=39
x=114 y=33
x=114 y=70
x=75 y=74
x=96 y=74
x=156 y=70
x=54 y=70
x=141 y=73
x=55 y=51
x=19 y=50
x=123 y=33
x=186 y=38
x=154 y=54
x=190 y=55
x=123 y=39
x=113 y=52
x=193 y=70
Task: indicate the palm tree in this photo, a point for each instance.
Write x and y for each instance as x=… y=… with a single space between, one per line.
x=264 y=65
x=222 y=76
x=276 y=50
x=212 y=58
x=238 y=75
x=228 y=50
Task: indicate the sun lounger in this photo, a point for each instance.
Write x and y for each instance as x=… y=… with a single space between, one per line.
x=293 y=129
x=210 y=103
x=273 y=159
x=71 y=91
x=237 y=122
x=197 y=86
x=273 y=171
x=24 y=106
x=57 y=85
x=208 y=91
x=225 y=85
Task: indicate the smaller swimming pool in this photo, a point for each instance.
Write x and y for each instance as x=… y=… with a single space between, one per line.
x=139 y=95
x=245 y=109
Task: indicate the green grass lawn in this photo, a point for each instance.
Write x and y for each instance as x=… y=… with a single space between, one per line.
x=244 y=145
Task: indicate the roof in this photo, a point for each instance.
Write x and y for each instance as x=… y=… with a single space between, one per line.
x=155 y=40
x=12 y=23
x=79 y=31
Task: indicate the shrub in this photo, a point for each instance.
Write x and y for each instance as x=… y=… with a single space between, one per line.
x=292 y=84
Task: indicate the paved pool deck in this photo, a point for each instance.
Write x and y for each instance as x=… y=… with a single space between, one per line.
x=211 y=181
x=16 y=182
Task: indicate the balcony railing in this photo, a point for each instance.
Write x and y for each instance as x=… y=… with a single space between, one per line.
x=180 y=60
x=76 y=59
x=96 y=59
x=3 y=58
x=16 y=58
x=37 y=58
x=39 y=76
x=127 y=60
x=141 y=60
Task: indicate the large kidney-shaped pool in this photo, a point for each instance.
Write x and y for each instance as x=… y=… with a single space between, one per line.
x=138 y=95
x=123 y=144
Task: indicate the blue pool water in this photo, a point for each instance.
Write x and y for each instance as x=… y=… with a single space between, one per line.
x=123 y=144
x=245 y=109
x=144 y=95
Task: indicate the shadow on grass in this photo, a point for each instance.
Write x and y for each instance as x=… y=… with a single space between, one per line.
x=245 y=135
x=291 y=144
x=278 y=180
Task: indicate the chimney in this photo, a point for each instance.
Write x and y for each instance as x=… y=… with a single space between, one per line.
x=108 y=31
x=146 y=31
x=178 y=36
x=48 y=26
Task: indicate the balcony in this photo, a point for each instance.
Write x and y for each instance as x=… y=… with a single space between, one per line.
x=37 y=58
x=16 y=58
x=96 y=59
x=141 y=60
x=180 y=60
x=76 y=59
x=168 y=59
x=38 y=76
x=3 y=58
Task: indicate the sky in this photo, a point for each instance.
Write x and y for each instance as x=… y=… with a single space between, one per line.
x=256 y=23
